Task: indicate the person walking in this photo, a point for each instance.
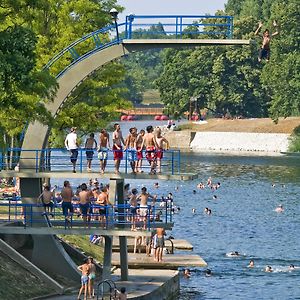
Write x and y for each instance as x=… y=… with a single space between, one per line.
x=71 y=144
x=90 y=145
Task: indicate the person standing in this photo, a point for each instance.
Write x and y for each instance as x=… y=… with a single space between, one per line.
x=103 y=149
x=85 y=271
x=71 y=144
x=90 y=145
x=67 y=196
x=139 y=149
x=46 y=198
x=117 y=146
x=160 y=141
x=131 y=148
x=84 y=202
x=160 y=244
x=92 y=276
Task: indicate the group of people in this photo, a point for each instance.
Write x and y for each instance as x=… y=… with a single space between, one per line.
x=150 y=141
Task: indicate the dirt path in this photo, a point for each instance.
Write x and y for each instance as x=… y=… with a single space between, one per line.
x=263 y=125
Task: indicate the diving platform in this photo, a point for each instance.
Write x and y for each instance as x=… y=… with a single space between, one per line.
x=94 y=174
x=170 y=261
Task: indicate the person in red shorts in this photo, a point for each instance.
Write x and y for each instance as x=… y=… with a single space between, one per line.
x=117 y=146
x=160 y=141
x=150 y=143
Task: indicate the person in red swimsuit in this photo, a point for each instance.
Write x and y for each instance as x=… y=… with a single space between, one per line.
x=160 y=141
x=117 y=147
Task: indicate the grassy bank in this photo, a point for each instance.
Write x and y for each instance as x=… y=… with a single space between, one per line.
x=82 y=243
x=17 y=283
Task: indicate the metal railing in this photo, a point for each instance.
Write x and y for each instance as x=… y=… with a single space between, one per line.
x=98 y=216
x=135 y=27
x=58 y=159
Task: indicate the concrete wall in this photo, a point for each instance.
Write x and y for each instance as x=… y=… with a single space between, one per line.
x=240 y=141
x=180 y=139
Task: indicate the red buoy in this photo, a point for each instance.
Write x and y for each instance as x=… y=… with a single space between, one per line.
x=157 y=118
x=124 y=118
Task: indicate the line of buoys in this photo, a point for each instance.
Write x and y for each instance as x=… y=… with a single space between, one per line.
x=161 y=118
x=128 y=118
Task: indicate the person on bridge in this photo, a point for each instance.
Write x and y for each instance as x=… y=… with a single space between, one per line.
x=85 y=271
x=90 y=145
x=67 y=196
x=104 y=145
x=46 y=198
x=139 y=149
x=71 y=144
x=150 y=143
x=117 y=147
x=84 y=202
x=160 y=141
x=264 y=51
x=131 y=148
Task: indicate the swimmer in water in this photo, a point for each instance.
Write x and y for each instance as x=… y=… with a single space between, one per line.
x=194 y=191
x=215 y=197
x=208 y=273
x=268 y=269
x=291 y=267
x=187 y=273
x=233 y=254
x=156 y=185
x=279 y=208
x=251 y=264
x=209 y=212
x=193 y=210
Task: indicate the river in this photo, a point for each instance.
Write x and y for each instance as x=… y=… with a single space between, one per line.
x=243 y=219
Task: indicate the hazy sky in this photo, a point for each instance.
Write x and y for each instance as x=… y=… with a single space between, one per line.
x=168 y=7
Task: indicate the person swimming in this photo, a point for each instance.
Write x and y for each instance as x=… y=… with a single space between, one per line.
x=279 y=208
x=208 y=273
x=268 y=269
x=251 y=264
x=233 y=254
x=291 y=267
x=187 y=273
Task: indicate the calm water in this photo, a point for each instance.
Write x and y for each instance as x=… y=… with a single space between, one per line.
x=243 y=219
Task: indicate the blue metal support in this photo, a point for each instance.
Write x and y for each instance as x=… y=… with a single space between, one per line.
x=74 y=53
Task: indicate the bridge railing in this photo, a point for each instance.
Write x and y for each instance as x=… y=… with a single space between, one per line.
x=58 y=160
x=136 y=27
x=98 y=216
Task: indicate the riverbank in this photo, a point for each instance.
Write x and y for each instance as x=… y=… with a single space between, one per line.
x=252 y=136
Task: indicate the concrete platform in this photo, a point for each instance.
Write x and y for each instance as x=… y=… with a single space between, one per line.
x=170 y=261
x=84 y=174
x=142 y=285
x=178 y=245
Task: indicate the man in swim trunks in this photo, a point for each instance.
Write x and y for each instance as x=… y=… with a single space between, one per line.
x=117 y=147
x=143 y=210
x=150 y=143
x=139 y=142
x=160 y=141
x=264 y=51
x=90 y=145
x=84 y=202
x=160 y=244
x=131 y=148
x=67 y=196
x=46 y=198
x=92 y=277
x=103 y=202
x=71 y=144
x=103 y=149
x=85 y=270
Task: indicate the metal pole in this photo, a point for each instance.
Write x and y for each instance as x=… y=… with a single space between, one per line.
x=117 y=31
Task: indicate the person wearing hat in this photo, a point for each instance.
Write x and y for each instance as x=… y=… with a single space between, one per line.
x=71 y=144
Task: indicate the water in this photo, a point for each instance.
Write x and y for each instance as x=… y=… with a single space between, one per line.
x=243 y=219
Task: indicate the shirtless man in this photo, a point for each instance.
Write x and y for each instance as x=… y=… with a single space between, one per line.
x=117 y=147
x=103 y=201
x=92 y=276
x=139 y=142
x=143 y=197
x=67 y=196
x=84 y=201
x=160 y=141
x=160 y=244
x=150 y=143
x=90 y=145
x=85 y=271
x=103 y=149
x=131 y=148
x=133 y=207
x=46 y=198
x=264 y=51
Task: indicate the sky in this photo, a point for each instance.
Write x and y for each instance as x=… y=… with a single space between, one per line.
x=170 y=7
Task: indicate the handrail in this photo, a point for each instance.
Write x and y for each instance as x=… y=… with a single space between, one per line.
x=174 y=26
x=57 y=159
x=111 y=289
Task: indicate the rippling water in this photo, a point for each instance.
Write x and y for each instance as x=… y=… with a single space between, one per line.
x=243 y=219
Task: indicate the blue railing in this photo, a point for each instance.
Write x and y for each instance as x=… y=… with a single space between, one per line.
x=135 y=27
x=120 y=215
x=57 y=159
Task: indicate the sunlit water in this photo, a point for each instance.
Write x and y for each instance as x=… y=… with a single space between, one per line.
x=243 y=219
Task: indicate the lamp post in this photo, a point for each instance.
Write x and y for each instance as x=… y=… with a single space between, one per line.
x=114 y=15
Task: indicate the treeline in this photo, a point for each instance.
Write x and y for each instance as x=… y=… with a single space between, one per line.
x=230 y=79
x=32 y=32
